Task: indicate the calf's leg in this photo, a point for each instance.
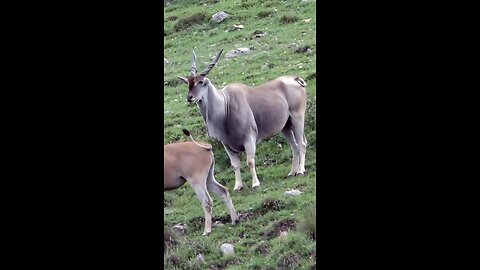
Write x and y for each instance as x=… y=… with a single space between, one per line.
x=217 y=188
x=199 y=186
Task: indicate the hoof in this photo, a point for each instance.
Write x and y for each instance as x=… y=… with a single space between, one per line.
x=238 y=189
x=300 y=174
x=256 y=186
x=206 y=233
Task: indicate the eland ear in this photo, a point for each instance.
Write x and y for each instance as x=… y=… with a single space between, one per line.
x=182 y=79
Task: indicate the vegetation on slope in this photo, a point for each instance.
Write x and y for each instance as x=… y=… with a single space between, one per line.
x=265 y=212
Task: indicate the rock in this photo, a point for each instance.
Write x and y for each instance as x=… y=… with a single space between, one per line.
x=217 y=224
x=200 y=257
x=238 y=26
x=220 y=16
x=181 y=228
x=237 y=52
x=165 y=61
x=293 y=192
x=258 y=34
x=227 y=249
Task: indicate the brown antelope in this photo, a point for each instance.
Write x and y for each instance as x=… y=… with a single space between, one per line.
x=193 y=162
x=241 y=116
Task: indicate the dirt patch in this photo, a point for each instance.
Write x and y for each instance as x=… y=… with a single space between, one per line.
x=172 y=18
x=271 y=205
x=223 y=265
x=184 y=23
x=169 y=240
x=288 y=19
x=174 y=260
x=262 y=248
x=303 y=49
x=268 y=205
x=289 y=261
x=282 y=226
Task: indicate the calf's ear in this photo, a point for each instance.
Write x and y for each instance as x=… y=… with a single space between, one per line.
x=182 y=79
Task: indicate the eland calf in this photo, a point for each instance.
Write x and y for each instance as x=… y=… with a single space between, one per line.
x=241 y=116
x=193 y=162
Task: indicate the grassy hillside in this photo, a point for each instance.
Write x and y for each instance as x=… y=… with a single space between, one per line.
x=266 y=211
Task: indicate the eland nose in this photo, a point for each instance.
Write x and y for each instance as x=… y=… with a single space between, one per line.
x=190 y=97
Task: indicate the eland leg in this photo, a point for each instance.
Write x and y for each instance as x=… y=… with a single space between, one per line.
x=235 y=162
x=250 y=148
x=217 y=188
x=202 y=193
x=289 y=135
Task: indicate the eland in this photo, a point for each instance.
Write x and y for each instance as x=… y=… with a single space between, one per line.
x=241 y=116
x=193 y=162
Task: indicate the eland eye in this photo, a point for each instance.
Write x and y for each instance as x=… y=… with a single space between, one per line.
x=200 y=82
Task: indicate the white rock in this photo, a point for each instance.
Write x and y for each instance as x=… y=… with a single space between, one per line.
x=220 y=16
x=283 y=234
x=227 y=249
x=293 y=192
x=180 y=227
x=165 y=61
x=238 y=52
x=238 y=26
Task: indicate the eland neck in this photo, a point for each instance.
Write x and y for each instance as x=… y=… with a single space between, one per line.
x=214 y=111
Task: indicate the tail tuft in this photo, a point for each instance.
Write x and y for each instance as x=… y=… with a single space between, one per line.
x=301 y=82
x=186 y=132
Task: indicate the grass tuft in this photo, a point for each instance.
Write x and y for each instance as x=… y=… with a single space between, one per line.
x=195 y=19
x=285 y=19
x=265 y=13
x=307 y=223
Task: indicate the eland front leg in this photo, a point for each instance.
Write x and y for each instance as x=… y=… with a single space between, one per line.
x=235 y=162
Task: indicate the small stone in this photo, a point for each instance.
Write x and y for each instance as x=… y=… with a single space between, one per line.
x=227 y=249
x=293 y=192
x=238 y=26
x=283 y=234
x=165 y=61
x=217 y=224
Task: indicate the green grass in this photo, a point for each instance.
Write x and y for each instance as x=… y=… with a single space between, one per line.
x=266 y=211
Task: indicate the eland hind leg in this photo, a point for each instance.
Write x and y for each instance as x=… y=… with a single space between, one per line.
x=298 y=123
x=289 y=135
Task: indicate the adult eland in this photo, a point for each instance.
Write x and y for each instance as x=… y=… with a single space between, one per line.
x=241 y=116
